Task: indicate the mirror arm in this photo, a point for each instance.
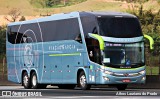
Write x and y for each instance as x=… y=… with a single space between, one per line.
x=151 y=41
x=99 y=38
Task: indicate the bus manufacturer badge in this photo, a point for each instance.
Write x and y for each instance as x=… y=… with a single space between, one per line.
x=126 y=74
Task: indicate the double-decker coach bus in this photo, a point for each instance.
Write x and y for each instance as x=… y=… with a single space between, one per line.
x=77 y=48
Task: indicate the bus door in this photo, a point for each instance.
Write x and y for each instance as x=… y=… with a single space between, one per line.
x=94 y=56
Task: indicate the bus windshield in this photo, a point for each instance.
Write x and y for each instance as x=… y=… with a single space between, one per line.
x=124 y=55
x=119 y=27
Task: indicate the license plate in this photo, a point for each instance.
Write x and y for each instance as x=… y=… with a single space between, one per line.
x=126 y=80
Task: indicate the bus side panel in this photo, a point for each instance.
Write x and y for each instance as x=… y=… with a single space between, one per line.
x=76 y=61
x=12 y=75
x=68 y=69
x=56 y=69
x=10 y=63
x=51 y=65
x=70 y=63
x=46 y=69
x=13 y=63
x=42 y=68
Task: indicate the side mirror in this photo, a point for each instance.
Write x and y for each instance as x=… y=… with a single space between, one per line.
x=151 y=41
x=99 y=38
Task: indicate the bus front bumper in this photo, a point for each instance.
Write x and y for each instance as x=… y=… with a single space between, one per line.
x=110 y=79
x=137 y=76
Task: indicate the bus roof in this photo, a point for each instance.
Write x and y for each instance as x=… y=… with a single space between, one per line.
x=73 y=15
x=108 y=13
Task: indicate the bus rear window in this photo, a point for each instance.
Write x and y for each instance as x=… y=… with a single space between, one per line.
x=119 y=27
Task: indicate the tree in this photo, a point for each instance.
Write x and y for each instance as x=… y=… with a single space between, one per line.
x=64 y=2
x=13 y=15
x=48 y=3
x=3 y=39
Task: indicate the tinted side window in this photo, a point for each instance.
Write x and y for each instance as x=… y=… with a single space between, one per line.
x=16 y=38
x=88 y=24
x=25 y=33
x=67 y=29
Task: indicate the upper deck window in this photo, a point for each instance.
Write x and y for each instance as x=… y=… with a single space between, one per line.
x=54 y=30
x=119 y=27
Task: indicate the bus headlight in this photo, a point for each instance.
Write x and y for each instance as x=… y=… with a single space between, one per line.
x=108 y=72
x=142 y=72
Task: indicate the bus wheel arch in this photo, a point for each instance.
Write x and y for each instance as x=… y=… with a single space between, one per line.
x=82 y=80
x=26 y=80
x=78 y=73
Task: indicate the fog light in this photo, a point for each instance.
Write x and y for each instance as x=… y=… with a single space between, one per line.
x=143 y=78
x=105 y=78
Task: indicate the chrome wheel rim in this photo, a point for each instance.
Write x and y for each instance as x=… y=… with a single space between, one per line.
x=34 y=80
x=83 y=80
x=25 y=80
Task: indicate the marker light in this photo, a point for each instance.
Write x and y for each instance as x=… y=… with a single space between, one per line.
x=142 y=72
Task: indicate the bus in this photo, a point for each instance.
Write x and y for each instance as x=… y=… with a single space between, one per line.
x=77 y=49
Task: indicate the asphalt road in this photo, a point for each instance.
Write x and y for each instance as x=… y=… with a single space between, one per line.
x=52 y=92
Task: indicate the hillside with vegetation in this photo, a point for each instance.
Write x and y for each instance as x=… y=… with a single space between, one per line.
x=37 y=7
x=54 y=3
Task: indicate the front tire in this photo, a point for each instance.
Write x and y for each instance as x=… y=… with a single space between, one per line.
x=82 y=81
x=121 y=86
x=26 y=81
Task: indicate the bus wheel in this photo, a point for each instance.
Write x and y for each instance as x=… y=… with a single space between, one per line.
x=66 y=86
x=121 y=86
x=26 y=81
x=34 y=82
x=82 y=81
